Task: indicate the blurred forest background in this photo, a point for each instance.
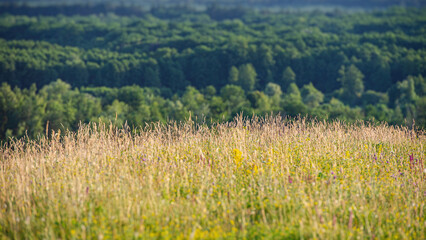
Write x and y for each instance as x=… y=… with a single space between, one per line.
x=247 y=3
x=66 y=62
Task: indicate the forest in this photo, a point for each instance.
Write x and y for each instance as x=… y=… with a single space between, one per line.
x=62 y=65
x=251 y=3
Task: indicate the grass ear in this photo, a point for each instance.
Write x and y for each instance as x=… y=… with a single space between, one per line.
x=250 y=178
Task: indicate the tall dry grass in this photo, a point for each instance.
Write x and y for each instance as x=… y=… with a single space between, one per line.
x=250 y=178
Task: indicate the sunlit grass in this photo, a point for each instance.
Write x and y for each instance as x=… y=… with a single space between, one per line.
x=254 y=178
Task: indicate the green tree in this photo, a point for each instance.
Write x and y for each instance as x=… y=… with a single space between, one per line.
x=293 y=93
x=171 y=74
x=351 y=79
x=138 y=116
x=116 y=113
x=421 y=112
x=32 y=111
x=372 y=97
x=233 y=75
x=288 y=77
x=338 y=110
x=234 y=99
x=247 y=77
x=9 y=105
x=194 y=102
x=407 y=99
x=292 y=102
x=88 y=108
x=151 y=76
x=217 y=108
x=259 y=101
x=274 y=92
x=132 y=96
x=265 y=62
x=60 y=105
x=209 y=92
x=420 y=85
x=379 y=112
x=407 y=91
x=311 y=96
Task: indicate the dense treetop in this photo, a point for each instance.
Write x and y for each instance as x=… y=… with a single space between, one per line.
x=251 y=3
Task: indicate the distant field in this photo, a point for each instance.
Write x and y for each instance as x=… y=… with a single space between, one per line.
x=249 y=178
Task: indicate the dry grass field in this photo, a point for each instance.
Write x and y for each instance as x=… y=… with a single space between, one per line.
x=247 y=179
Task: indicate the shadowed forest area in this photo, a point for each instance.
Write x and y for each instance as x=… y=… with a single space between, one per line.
x=62 y=64
x=251 y=3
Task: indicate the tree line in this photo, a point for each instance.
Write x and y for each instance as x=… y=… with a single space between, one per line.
x=27 y=112
x=251 y=3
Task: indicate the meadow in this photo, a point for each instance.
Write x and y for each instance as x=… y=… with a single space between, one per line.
x=251 y=178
